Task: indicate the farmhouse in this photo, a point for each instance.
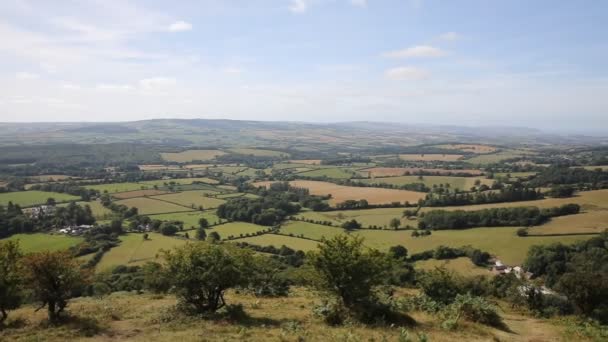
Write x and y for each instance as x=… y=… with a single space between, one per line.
x=499 y=268
x=76 y=230
x=43 y=210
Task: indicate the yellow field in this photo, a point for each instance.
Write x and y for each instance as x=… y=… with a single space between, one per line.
x=51 y=178
x=341 y=193
x=473 y=148
x=192 y=199
x=430 y=157
x=462 y=183
x=191 y=155
x=149 y=206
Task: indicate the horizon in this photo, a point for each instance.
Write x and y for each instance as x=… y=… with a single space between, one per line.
x=316 y=61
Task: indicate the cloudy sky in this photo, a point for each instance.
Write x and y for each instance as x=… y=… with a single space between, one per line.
x=485 y=62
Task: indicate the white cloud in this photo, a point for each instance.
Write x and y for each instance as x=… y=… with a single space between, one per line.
x=416 y=52
x=298 y=6
x=155 y=83
x=114 y=87
x=26 y=76
x=450 y=36
x=70 y=86
x=233 y=70
x=406 y=73
x=180 y=26
x=359 y=3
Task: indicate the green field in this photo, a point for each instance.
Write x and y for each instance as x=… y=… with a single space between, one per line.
x=587 y=222
x=235 y=229
x=280 y=240
x=462 y=183
x=310 y=230
x=149 y=206
x=183 y=181
x=33 y=197
x=133 y=250
x=336 y=173
x=191 y=199
x=367 y=217
x=259 y=152
x=44 y=242
x=189 y=218
x=118 y=187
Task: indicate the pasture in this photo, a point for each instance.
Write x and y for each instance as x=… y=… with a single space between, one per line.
x=182 y=181
x=118 y=187
x=310 y=230
x=149 y=206
x=430 y=157
x=587 y=222
x=335 y=172
x=306 y=161
x=158 y=167
x=259 y=152
x=367 y=217
x=39 y=242
x=406 y=171
x=191 y=199
x=497 y=157
x=50 y=178
x=134 y=250
x=190 y=218
x=461 y=183
x=472 y=148
x=99 y=211
x=236 y=229
x=341 y=193
x=191 y=155
x=137 y=193
x=280 y=240
x=33 y=197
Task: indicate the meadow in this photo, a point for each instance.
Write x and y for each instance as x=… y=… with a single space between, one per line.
x=462 y=265
x=182 y=181
x=404 y=171
x=33 y=197
x=190 y=218
x=235 y=229
x=118 y=187
x=191 y=199
x=588 y=222
x=137 y=193
x=461 y=183
x=335 y=172
x=430 y=157
x=367 y=217
x=39 y=242
x=134 y=250
x=191 y=155
x=496 y=157
x=149 y=206
x=310 y=230
x=99 y=211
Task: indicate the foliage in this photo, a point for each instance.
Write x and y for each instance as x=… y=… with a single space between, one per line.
x=440 y=285
x=474 y=309
x=10 y=278
x=267 y=278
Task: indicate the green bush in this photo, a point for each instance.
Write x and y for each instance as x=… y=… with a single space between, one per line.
x=474 y=309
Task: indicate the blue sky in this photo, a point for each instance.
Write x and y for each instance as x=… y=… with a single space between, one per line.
x=518 y=63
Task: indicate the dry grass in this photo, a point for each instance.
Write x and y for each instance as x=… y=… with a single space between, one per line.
x=191 y=155
x=461 y=183
x=341 y=193
x=430 y=157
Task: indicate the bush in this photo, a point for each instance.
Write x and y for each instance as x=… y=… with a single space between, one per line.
x=474 y=309
x=440 y=285
x=331 y=311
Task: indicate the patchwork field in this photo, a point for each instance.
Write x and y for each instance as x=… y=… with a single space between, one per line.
x=182 y=181
x=259 y=152
x=461 y=183
x=118 y=187
x=33 y=197
x=310 y=230
x=336 y=172
x=236 y=229
x=341 y=193
x=190 y=218
x=137 y=193
x=403 y=171
x=44 y=242
x=369 y=217
x=280 y=240
x=430 y=157
x=134 y=250
x=149 y=206
x=191 y=155
x=191 y=199
x=472 y=148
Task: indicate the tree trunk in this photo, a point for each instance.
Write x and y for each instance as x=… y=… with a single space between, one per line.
x=52 y=313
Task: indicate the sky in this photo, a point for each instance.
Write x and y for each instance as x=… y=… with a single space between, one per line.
x=484 y=62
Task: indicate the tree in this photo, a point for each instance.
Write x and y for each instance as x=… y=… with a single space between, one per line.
x=214 y=237
x=10 y=278
x=395 y=223
x=351 y=225
x=168 y=229
x=116 y=226
x=201 y=234
x=146 y=236
x=398 y=252
x=155 y=279
x=348 y=271
x=203 y=223
x=53 y=278
x=202 y=272
x=50 y=201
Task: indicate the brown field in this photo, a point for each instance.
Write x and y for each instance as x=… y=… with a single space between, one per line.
x=342 y=193
x=400 y=171
x=430 y=157
x=473 y=148
x=306 y=161
x=191 y=155
x=137 y=193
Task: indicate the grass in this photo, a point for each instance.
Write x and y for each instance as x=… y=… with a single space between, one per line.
x=368 y=217
x=496 y=157
x=39 y=242
x=401 y=171
x=259 y=152
x=280 y=240
x=514 y=174
x=33 y=197
x=133 y=250
x=99 y=211
x=462 y=183
x=588 y=222
x=118 y=187
x=236 y=229
x=162 y=182
x=336 y=173
x=462 y=266
x=473 y=148
x=341 y=193
x=191 y=199
x=137 y=193
x=430 y=157
x=191 y=155
x=149 y=206
x=189 y=218
x=310 y=230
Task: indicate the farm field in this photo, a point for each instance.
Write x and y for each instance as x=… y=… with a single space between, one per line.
x=514 y=174
x=118 y=187
x=430 y=157
x=462 y=265
x=496 y=157
x=306 y=161
x=588 y=222
x=149 y=206
x=228 y=169
x=33 y=197
x=259 y=152
x=134 y=250
x=336 y=172
x=158 y=167
x=367 y=217
x=137 y=193
x=235 y=229
x=473 y=148
x=249 y=172
x=461 y=183
x=500 y=241
x=182 y=181
x=38 y=242
x=191 y=199
x=190 y=218
x=595 y=167
x=51 y=178
x=310 y=230
x=280 y=240
x=401 y=171
x=341 y=193
x=191 y=155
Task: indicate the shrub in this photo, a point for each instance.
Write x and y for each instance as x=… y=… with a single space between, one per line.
x=10 y=278
x=474 y=309
x=440 y=284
